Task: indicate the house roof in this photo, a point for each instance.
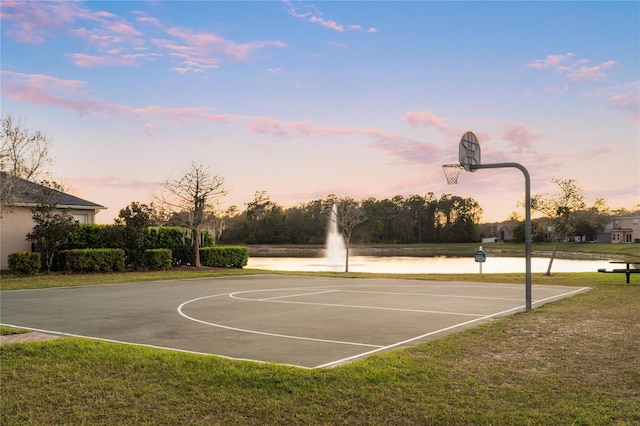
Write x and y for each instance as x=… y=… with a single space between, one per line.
x=26 y=193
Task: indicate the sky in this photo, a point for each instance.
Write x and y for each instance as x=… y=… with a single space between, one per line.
x=307 y=99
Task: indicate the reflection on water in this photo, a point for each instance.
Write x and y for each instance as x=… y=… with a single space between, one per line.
x=424 y=265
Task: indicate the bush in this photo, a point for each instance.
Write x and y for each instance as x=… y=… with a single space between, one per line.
x=157 y=258
x=178 y=240
x=92 y=260
x=24 y=262
x=224 y=257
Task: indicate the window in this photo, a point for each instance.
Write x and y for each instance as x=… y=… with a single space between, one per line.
x=81 y=218
x=635 y=222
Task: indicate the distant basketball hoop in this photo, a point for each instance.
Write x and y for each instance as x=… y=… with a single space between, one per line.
x=451 y=172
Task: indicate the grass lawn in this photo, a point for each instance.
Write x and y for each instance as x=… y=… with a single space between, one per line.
x=575 y=361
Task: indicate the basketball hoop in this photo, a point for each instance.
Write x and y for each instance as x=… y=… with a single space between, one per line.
x=451 y=172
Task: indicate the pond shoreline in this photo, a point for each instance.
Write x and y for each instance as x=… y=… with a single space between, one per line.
x=425 y=250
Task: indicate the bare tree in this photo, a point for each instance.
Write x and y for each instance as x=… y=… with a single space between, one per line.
x=24 y=154
x=194 y=193
x=560 y=208
x=350 y=214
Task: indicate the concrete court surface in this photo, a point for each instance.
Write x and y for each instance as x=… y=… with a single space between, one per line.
x=295 y=320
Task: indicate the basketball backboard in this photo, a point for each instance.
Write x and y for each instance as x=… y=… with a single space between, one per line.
x=469 y=151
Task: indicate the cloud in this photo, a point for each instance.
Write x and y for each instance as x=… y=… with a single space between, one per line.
x=197 y=52
x=34 y=22
x=406 y=150
x=91 y=61
x=313 y=15
x=571 y=68
x=424 y=118
x=624 y=98
x=519 y=136
x=117 y=42
x=68 y=94
x=594 y=73
x=551 y=62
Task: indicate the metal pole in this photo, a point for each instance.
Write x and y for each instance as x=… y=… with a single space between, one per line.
x=527 y=220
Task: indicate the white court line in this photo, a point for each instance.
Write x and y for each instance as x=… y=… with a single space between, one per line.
x=338 y=305
x=517 y=308
x=268 y=299
x=286 y=336
x=430 y=295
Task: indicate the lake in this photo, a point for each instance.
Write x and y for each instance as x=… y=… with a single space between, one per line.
x=424 y=265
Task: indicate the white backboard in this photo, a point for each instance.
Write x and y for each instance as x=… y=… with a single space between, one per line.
x=469 y=151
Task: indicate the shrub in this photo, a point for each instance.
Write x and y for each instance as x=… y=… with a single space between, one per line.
x=157 y=258
x=224 y=257
x=92 y=260
x=24 y=262
x=178 y=240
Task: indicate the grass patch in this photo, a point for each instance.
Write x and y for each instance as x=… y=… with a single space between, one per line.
x=10 y=331
x=14 y=282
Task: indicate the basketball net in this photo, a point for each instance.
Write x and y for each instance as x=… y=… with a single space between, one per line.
x=451 y=172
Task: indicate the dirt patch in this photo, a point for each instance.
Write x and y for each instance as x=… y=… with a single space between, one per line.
x=26 y=337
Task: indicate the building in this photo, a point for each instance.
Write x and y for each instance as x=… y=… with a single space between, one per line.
x=626 y=229
x=498 y=231
x=19 y=197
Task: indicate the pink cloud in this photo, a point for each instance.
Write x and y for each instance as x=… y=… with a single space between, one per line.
x=424 y=118
x=572 y=68
x=35 y=21
x=624 y=98
x=67 y=94
x=551 y=61
x=594 y=73
x=314 y=16
x=200 y=51
x=91 y=61
x=407 y=150
x=519 y=136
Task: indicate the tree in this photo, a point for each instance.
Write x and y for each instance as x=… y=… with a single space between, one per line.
x=53 y=228
x=560 y=208
x=135 y=218
x=194 y=193
x=350 y=214
x=23 y=154
x=257 y=211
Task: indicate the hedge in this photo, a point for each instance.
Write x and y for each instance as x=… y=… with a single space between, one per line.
x=24 y=262
x=157 y=258
x=224 y=257
x=91 y=260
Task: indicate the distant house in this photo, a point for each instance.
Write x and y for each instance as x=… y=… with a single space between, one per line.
x=500 y=231
x=19 y=197
x=626 y=229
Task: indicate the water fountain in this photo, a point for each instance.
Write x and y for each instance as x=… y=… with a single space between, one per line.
x=335 y=249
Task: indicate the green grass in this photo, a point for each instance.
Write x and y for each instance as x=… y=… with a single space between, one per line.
x=574 y=361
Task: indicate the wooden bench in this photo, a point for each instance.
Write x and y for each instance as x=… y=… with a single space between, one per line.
x=628 y=270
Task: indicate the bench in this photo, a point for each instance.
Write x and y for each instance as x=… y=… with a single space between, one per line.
x=628 y=270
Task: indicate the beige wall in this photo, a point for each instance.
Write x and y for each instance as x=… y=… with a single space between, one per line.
x=14 y=227
x=625 y=229
x=16 y=223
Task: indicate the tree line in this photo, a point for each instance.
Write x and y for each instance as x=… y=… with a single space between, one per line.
x=397 y=220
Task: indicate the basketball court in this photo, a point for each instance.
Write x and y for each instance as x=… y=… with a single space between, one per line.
x=296 y=320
